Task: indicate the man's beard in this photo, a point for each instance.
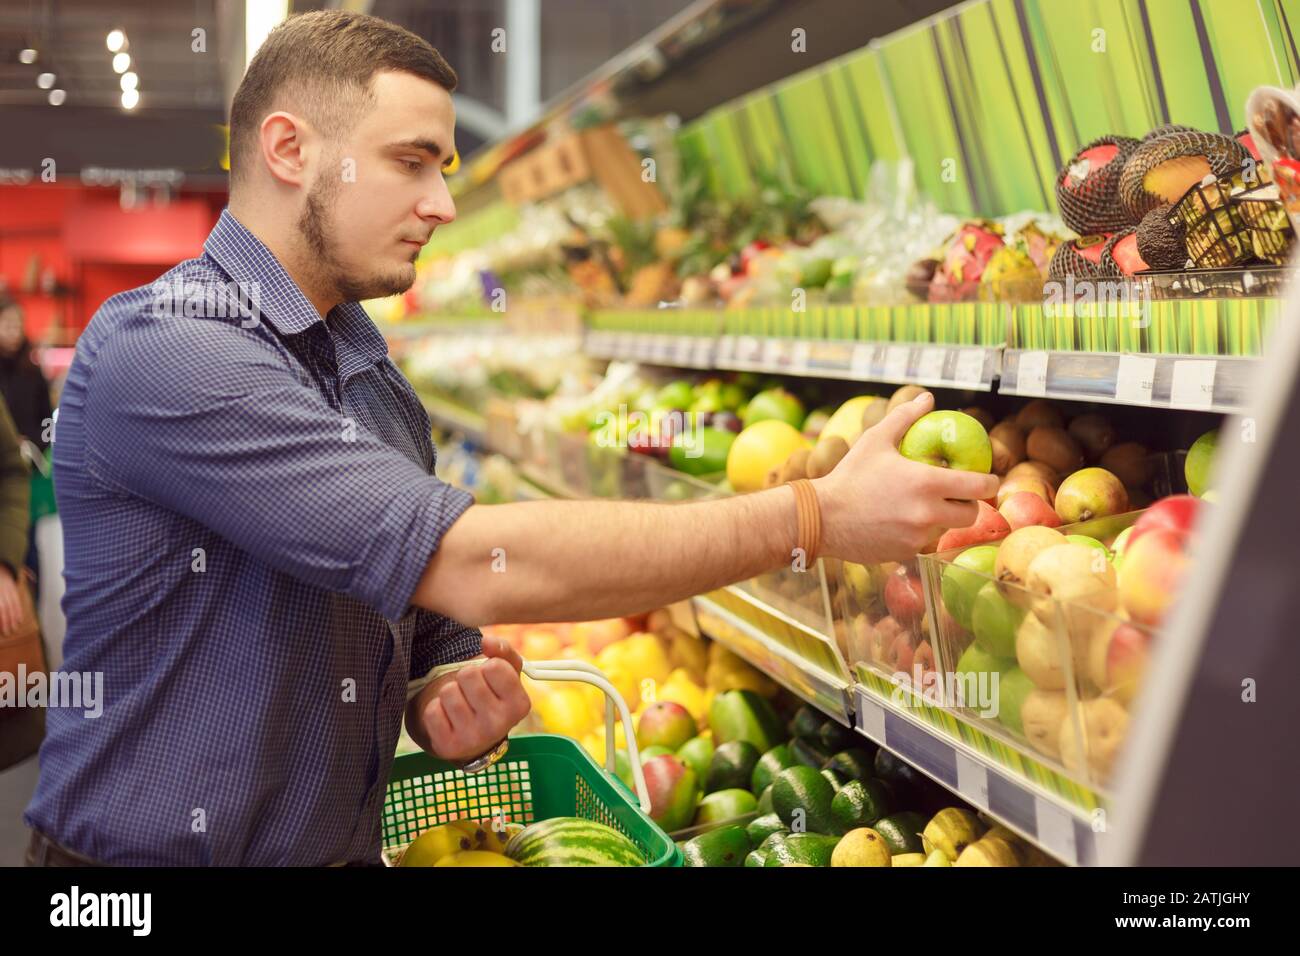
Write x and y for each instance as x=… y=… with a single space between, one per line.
x=317 y=227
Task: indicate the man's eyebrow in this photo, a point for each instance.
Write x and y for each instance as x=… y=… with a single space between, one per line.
x=428 y=145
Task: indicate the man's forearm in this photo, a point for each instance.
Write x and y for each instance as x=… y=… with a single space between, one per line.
x=574 y=560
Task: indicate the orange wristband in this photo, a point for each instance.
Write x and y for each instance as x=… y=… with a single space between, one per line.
x=808 y=516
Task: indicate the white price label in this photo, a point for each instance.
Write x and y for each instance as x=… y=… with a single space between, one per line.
x=773 y=353
x=703 y=354
x=970 y=367
x=1055 y=830
x=748 y=350
x=622 y=346
x=1135 y=379
x=726 y=349
x=683 y=349
x=860 y=363
x=896 y=357
x=1193 y=384
x=799 y=357
x=1031 y=374
x=930 y=368
x=871 y=718
x=972 y=780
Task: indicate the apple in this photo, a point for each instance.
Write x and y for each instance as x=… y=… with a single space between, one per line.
x=1027 y=483
x=1015 y=553
x=1024 y=508
x=1079 y=577
x=1200 y=459
x=948 y=439
x=922 y=662
x=1041 y=716
x=863 y=583
x=1151 y=574
x=1038 y=651
x=1090 y=493
x=962 y=580
x=883 y=633
x=1105 y=724
x=1174 y=513
x=904 y=598
x=1014 y=686
x=899 y=655
x=995 y=621
x=1126 y=661
x=989 y=526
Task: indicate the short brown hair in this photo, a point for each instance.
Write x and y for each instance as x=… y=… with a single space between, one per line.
x=326 y=60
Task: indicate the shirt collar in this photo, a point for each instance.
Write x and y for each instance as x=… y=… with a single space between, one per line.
x=248 y=261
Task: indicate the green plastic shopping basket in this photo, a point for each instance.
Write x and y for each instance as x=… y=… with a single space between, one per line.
x=540 y=777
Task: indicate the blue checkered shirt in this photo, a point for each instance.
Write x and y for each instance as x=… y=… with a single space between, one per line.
x=247 y=505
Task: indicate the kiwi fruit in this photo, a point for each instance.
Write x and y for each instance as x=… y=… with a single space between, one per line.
x=825 y=456
x=1008 y=443
x=1094 y=432
x=981 y=415
x=874 y=413
x=1039 y=412
x=796 y=466
x=1054 y=447
x=1130 y=462
x=904 y=394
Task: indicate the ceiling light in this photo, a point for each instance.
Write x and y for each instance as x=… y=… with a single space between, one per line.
x=130 y=98
x=116 y=40
x=130 y=81
x=45 y=80
x=121 y=62
x=27 y=56
x=57 y=97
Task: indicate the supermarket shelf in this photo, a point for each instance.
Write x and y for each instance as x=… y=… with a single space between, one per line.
x=1058 y=827
x=827 y=692
x=683 y=351
x=1210 y=383
x=940 y=366
x=453 y=418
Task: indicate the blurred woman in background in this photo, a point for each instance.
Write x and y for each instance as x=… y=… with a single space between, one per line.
x=27 y=393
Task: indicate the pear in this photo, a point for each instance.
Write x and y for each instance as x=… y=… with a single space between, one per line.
x=937 y=858
x=1041 y=715
x=1015 y=553
x=908 y=859
x=951 y=830
x=988 y=851
x=861 y=847
x=1090 y=493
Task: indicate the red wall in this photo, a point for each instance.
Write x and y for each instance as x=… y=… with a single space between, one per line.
x=93 y=246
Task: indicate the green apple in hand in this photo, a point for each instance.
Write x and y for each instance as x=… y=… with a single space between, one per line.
x=949 y=439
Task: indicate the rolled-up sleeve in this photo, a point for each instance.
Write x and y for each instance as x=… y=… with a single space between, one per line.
x=440 y=640
x=213 y=422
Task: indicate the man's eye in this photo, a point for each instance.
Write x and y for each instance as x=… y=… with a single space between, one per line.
x=412 y=165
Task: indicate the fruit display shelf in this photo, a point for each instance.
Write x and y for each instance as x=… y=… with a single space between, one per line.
x=1189 y=382
x=456 y=419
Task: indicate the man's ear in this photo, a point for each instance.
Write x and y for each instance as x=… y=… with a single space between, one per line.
x=283 y=143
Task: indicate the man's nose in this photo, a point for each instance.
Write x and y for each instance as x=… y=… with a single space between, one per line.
x=438 y=204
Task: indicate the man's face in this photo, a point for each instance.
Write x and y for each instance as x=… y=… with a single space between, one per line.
x=380 y=193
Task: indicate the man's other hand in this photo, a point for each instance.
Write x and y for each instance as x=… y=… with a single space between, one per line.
x=470 y=710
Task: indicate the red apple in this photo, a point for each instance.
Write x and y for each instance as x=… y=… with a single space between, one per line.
x=988 y=526
x=1126 y=661
x=1152 y=571
x=1023 y=508
x=904 y=598
x=883 y=633
x=1175 y=513
x=900 y=653
x=1025 y=482
x=922 y=662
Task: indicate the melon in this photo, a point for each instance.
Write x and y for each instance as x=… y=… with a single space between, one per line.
x=572 y=841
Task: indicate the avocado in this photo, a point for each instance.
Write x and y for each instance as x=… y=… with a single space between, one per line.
x=806 y=723
x=765 y=800
x=834 y=736
x=744 y=715
x=859 y=803
x=809 y=754
x=723 y=805
x=854 y=764
x=760 y=828
x=756 y=857
x=732 y=766
x=1162 y=240
x=769 y=765
x=725 y=846
x=901 y=832
x=813 y=849
x=802 y=795
x=836 y=780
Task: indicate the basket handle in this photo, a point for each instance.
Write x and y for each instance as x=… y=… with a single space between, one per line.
x=590 y=674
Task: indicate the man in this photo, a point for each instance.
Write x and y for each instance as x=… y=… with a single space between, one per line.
x=259 y=557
